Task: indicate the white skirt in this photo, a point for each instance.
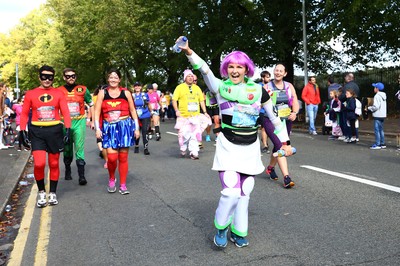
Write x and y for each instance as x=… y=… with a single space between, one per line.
x=245 y=159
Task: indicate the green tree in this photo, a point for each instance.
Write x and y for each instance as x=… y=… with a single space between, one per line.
x=33 y=43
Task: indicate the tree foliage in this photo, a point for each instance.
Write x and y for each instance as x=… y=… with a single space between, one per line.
x=135 y=36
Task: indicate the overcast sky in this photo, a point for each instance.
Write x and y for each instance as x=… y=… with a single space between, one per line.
x=11 y=11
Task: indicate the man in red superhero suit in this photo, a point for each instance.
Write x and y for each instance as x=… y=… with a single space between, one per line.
x=76 y=96
x=46 y=131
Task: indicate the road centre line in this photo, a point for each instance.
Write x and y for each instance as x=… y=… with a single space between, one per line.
x=353 y=178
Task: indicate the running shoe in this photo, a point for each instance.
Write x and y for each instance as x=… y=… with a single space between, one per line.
x=183 y=154
x=271 y=172
x=287 y=182
x=314 y=133
x=375 y=147
x=111 y=186
x=123 y=190
x=158 y=136
x=53 y=199
x=146 y=152
x=265 y=150
x=221 y=238
x=194 y=157
x=208 y=138
x=383 y=146
x=41 y=201
x=239 y=240
x=341 y=138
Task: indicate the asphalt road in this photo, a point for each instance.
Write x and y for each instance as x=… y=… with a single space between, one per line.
x=348 y=216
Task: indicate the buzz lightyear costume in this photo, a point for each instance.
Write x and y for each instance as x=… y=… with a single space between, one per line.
x=237 y=156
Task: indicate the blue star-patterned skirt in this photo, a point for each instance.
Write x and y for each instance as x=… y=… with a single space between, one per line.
x=120 y=134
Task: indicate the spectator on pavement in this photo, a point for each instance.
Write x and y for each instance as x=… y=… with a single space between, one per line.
x=2 y=114
x=348 y=84
x=312 y=99
x=379 y=109
x=332 y=86
x=350 y=111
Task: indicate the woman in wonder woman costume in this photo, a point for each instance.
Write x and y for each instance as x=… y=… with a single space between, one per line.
x=119 y=128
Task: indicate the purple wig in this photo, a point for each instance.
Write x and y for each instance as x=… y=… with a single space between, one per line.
x=237 y=57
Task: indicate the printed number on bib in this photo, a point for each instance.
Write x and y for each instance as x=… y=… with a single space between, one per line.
x=193 y=107
x=114 y=116
x=283 y=110
x=46 y=113
x=244 y=116
x=139 y=112
x=74 y=109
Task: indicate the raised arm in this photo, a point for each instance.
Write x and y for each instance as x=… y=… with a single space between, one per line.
x=199 y=64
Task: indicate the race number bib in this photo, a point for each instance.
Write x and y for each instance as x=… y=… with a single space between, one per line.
x=193 y=107
x=139 y=112
x=244 y=116
x=283 y=110
x=46 y=113
x=74 y=109
x=114 y=116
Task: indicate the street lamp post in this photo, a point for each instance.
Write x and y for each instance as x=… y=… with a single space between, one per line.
x=305 y=50
x=16 y=80
x=305 y=42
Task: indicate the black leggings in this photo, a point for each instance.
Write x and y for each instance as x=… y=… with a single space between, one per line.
x=144 y=128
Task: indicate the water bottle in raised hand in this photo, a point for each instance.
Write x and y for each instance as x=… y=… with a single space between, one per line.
x=281 y=153
x=181 y=42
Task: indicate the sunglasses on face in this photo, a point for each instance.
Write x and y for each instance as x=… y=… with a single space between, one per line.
x=43 y=77
x=70 y=76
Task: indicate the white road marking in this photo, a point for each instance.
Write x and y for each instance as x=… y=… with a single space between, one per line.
x=172 y=133
x=353 y=178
